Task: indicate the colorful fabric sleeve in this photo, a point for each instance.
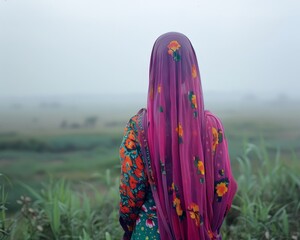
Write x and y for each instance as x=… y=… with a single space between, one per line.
x=133 y=180
x=225 y=185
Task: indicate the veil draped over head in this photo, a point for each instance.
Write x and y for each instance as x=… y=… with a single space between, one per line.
x=189 y=165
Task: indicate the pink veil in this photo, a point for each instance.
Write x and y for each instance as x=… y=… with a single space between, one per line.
x=188 y=164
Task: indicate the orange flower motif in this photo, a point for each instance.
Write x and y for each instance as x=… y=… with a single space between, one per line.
x=139 y=163
x=201 y=167
x=129 y=192
x=172 y=50
x=193 y=99
x=194 y=213
x=122 y=152
x=131 y=135
x=124 y=209
x=131 y=203
x=221 y=189
x=215 y=139
x=173 y=46
x=194 y=71
x=176 y=204
x=210 y=234
x=138 y=172
x=179 y=130
x=132 y=182
x=151 y=92
x=129 y=144
x=159 y=88
x=127 y=164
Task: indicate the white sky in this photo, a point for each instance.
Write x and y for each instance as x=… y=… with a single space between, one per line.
x=65 y=47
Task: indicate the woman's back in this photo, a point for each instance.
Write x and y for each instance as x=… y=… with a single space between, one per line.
x=185 y=153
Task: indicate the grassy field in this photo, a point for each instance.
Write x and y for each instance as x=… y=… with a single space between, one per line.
x=69 y=156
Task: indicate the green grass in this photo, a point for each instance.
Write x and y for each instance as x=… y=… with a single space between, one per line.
x=266 y=205
x=74 y=196
x=267 y=202
x=59 y=211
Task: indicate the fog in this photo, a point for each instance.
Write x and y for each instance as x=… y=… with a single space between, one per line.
x=71 y=48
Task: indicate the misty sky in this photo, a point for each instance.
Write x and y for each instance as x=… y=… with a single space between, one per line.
x=65 y=47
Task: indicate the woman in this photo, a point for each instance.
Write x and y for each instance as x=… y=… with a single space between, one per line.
x=176 y=180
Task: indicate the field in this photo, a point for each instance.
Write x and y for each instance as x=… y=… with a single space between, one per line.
x=65 y=158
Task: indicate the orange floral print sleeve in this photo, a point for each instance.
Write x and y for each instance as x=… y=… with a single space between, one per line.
x=133 y=180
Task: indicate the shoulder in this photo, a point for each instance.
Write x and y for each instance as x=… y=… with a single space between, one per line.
x=212 y=119
x=214 y=125
x=132 y=123
x=209 y=116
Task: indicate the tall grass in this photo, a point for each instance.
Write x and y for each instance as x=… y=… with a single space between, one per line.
x=266 y=206
x=267 y=203
x=60 y=212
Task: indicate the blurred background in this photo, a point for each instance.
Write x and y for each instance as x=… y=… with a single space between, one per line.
x=73 y=72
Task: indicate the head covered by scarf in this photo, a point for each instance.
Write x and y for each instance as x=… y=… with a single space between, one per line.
x=189 y=165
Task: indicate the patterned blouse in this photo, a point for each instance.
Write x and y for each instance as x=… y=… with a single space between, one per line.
x=137 y=208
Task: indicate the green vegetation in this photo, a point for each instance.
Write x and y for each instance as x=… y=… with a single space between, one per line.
x=61 y=182
x=60 y=212
x=267 y=203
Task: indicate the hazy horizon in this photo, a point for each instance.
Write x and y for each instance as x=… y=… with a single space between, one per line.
x=71 y=48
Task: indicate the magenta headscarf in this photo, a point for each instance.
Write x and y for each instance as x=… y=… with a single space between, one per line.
x=188 y=163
